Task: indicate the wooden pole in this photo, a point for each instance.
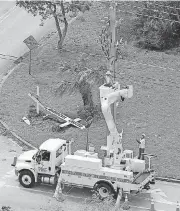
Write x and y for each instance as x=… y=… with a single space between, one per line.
x=113 y=49
x=37 y=104
x=113 y=38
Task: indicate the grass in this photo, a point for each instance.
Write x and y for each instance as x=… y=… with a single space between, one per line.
x=153 y=110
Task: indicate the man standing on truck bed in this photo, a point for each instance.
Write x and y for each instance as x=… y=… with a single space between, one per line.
x=141 y=146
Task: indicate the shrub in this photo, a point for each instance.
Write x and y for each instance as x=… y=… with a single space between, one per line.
x=155 y=25
x=5 y=208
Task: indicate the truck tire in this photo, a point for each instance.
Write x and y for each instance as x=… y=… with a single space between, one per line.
x=26 y=179
x=104 y=190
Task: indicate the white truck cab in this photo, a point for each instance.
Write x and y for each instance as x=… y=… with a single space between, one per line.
x=42 y=165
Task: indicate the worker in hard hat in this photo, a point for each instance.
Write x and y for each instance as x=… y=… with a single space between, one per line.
x=109 y=81
x=141 y=143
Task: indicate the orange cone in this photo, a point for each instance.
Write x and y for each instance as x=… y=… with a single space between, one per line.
x=118 y=201
x=126 y=198
x=14 y=162
x=152 y=205
x=177 y=208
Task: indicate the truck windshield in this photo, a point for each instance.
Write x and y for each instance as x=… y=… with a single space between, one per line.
x=36 y=154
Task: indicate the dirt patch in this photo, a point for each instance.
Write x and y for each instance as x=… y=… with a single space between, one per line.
x=153 y=110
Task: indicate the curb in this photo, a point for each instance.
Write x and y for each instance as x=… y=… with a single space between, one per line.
x=18 y=137
x=6 y=75
x=164 y=179
x=3 y=80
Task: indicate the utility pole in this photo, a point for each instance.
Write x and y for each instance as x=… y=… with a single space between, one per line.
x=112 y=60
x=113 y=39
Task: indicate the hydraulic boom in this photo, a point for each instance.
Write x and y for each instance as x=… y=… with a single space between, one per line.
x=108 y=97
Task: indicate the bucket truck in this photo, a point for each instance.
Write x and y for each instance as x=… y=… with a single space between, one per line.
x=53 y=162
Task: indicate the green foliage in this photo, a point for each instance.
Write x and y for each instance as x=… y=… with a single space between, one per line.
x=81 y=81
x=157 y=24
x=105 y=40
x=56 y=9
x=46 y=9
x=5 y=208
x=88 y=111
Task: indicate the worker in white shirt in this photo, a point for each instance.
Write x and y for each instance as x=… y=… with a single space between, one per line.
x=141 y=146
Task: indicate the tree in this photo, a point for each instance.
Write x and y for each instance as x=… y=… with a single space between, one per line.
x=157 y=24
x=56 y=9
x=82 y=82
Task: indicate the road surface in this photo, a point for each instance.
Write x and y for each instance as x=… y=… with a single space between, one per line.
x=15 y=26
x=41 y=197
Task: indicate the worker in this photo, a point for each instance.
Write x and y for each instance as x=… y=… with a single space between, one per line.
x=141 y=146
x=109 y=81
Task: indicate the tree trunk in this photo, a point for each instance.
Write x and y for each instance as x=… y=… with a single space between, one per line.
x=58 y=28
x=86 y=94
x=65 y=23
x=87 y=99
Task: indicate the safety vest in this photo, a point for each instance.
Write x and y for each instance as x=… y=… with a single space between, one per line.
x=142 y=144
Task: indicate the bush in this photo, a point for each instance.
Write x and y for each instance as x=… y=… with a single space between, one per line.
x=155 y=27
x=5 y=208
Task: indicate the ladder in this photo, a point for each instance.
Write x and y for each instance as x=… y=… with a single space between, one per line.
x=58 y=114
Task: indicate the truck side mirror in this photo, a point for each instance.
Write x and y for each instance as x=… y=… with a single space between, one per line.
x=38 y=159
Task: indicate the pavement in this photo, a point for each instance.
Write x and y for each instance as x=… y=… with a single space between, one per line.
x=41 y=196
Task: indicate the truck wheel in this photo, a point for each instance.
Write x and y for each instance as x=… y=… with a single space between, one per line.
x=26 y=179
x=104 y=190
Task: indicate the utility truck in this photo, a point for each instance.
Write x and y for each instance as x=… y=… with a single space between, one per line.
x=119 y=169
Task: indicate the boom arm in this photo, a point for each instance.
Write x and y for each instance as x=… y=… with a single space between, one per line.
x=108 y=97
x=106 y=106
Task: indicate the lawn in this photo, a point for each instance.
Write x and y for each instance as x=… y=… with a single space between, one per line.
x=153 y=110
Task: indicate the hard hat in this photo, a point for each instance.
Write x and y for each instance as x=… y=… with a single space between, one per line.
x=108 y=73
x=143 y=135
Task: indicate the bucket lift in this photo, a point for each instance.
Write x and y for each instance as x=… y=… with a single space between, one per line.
x=109 y=95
